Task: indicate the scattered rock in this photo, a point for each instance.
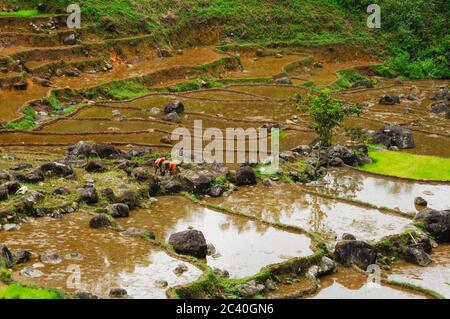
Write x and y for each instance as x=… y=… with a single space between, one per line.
x=100 y=221
x=211 y=250
x=138 y=232
x=161 y=284
x=415 y=254
x=346 y=236
x=250 y=289
x=419 y=201
x=118 y=293
x=354 y=251
x=190 y=242
x=22 y=256
x=56 y=169
x=31 y=272
x=6 y=256
x=89 y=195
x=61 y=191
x=129 y=198
x=283 y=81
x=180 y=269
x=394 y=136
x=327 y=265
x=197 y=182
x=389 y=99
x=50 y=256
x=94 y=167
x=3 y=193
x=217 y=191
x=74 y=256
x=437 y=223
x=172 y=117
x=270 y=285
x=174 y=107
x=245 y=176
x=108 y=193
x=221 y=273
x=71 y=39
x=118 y=210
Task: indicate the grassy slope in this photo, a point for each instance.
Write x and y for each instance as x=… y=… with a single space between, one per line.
x=16 y=291
x=414 y=35
x=409 y=165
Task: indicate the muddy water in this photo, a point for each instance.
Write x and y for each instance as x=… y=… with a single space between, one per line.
x=349 y=284
x=243 y=247
x=262 y=67
x=287 y=204
x=435 y=276
x=12 y=101
x=108 y=258
x=384 y=192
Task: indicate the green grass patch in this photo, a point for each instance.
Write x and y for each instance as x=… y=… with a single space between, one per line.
x=419 y=167
x=26 y=123
x=16 y=291
x=348 y=78
x=20 y=13
x=53 y=101
x=127 y=90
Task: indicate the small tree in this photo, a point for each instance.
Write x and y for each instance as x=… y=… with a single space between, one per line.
x=328 y=113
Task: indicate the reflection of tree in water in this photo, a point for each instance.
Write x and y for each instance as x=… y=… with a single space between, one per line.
x=318 y=217
x=393 y=187
x=342 y=183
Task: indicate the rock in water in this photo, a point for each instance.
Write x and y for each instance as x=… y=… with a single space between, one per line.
x=437 y=223
x=419 y=201
x=190 y=242
x=100 y=221
x=355 y=251
x=416 y=254
x=6 y=256
x=118 y=210
x=50 y=257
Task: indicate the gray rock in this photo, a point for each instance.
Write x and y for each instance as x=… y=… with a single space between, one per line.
x=389 y=99
x=172 y=117
x=6 y=256
x=100 y=221
x=190 y=242
x=419 y=201
x=89 y=195
x=161 y=284
x=31 y=272
x=118 y=210
x=50 y=256
x=118 y=293
x=174 y=107
x=22 y=256
x=11 y=227
x=71 y=39
x=415 y=254
x=245 y=176
x=217 y=191
x=437 y=223
x=221 y=273
x=211 y=250
x=394 y=136
x=355 y=251
x=61 y=191
x=180 y=269
x=283 y=81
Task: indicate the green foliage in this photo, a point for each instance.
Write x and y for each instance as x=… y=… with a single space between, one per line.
x=408 y=165
x=26 y=123
x=328 y=113
x=16 y=291
x=20 y=13
x=127 y=90
x=52 y=100
x=347 y=79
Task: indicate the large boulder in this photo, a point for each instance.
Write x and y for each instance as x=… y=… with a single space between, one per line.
x=394 y=136
x=440 y=107
x=197 y=182
x=94 y=167
x=174 y=107
x=171 y=185
x=389 y=99
x=437 y=223
x=89 y=195
x=56 y=169
x=245 y=176
x=107 y=151
x=441 y=94
x=154 y=185
x=85 y=150
x=356 y=252
x=190 y=242
x=71 y=39
x=12 y=187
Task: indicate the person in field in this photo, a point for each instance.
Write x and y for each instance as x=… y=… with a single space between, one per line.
x=159 y=165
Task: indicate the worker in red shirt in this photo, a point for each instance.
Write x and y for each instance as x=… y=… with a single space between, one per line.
x=159 y=165
x=173 y=168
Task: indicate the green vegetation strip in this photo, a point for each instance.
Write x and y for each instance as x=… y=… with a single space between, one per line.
x=406 y=165
x=20 y=13
x=16 y=291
